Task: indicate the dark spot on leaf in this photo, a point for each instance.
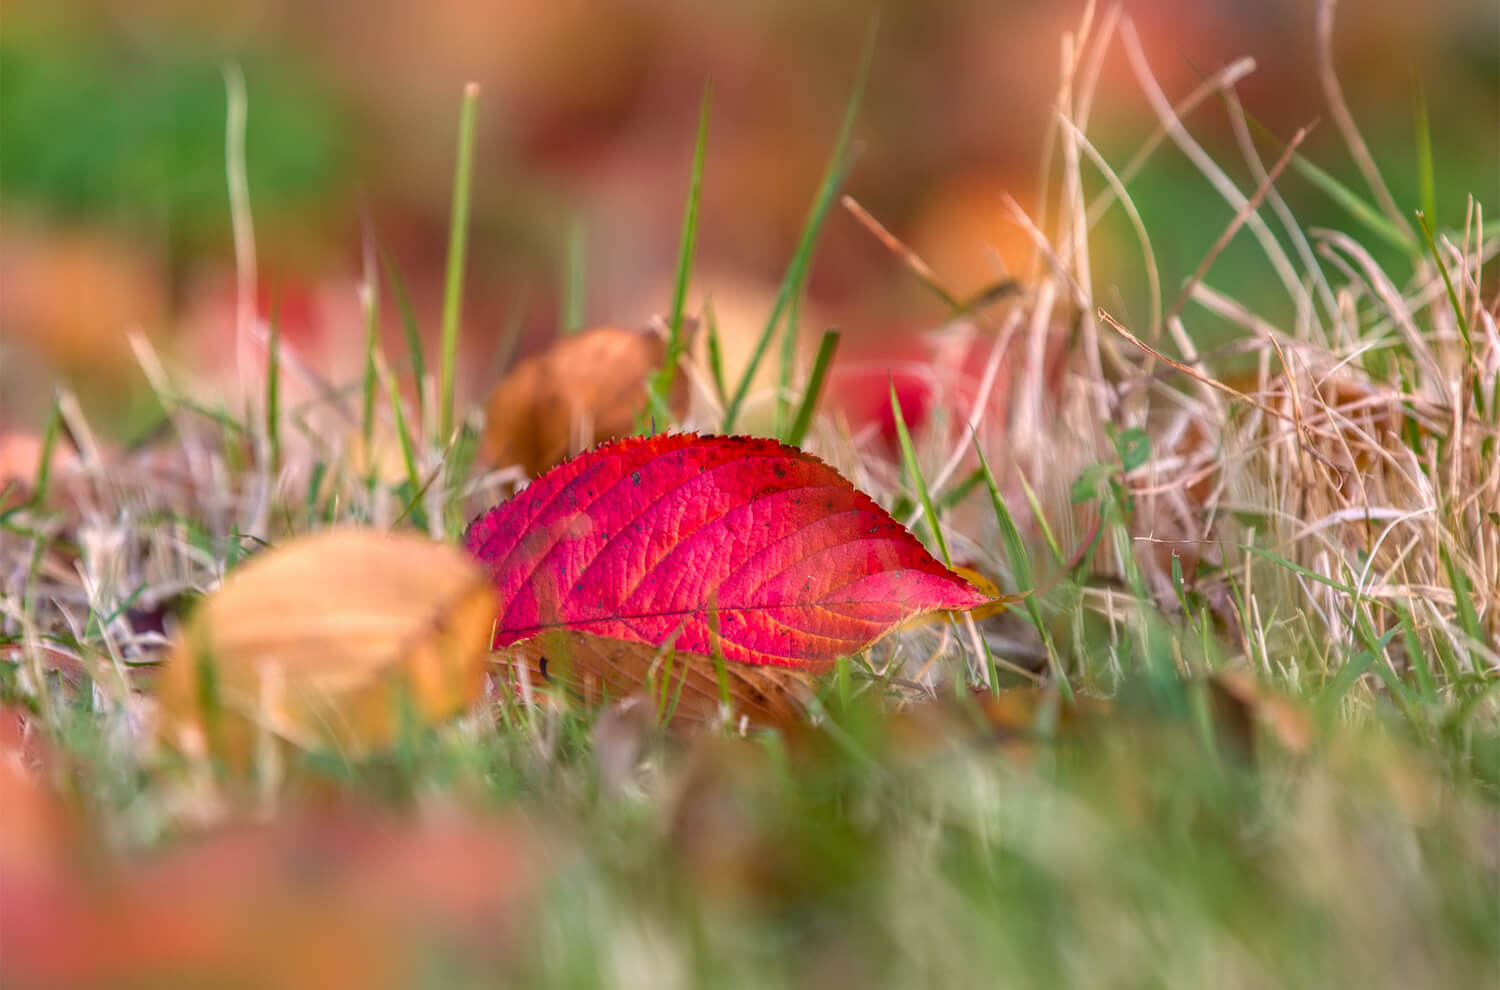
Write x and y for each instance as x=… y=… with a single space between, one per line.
x=635 y=477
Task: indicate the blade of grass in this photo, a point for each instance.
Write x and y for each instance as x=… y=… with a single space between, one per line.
x=914 y=472
x=826 y=350
x=273 y=390
x=1458 y=310
x=1426 y=176
x=314 y=486
x=788 y=363
x=661 y=382
x=419 y=493
x=960 y=491
x=456 y=468
x=1458 y=718
x=1353 y=204
x=44 y=458
x=1417 y=657
x=408 y=326
x=1041 y=520
x=1296 y=568
x=403 y=434
x=575 y=286
x=796 y=273
x=1463 y=595
x=715 y=349
x=1344 y=678
x=458 y=241
x=1020 y=568
x=1400 y=693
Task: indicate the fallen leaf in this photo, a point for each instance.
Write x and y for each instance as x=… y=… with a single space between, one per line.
x=329 y=641
x=1243 y=708
x=985 y=584
x=586 y=386
x=683 y=689
x=724 y=546
x=67 y=667
x=35 y=829
x=351 y=900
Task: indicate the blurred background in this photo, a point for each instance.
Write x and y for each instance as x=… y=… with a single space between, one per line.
x=114 y=214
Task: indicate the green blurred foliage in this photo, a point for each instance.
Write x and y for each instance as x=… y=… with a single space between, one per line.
x=90 y=134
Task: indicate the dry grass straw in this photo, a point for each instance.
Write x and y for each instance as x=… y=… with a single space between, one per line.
x=1360 y=463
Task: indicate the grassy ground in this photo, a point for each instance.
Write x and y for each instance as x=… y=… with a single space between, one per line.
x=1250 y=738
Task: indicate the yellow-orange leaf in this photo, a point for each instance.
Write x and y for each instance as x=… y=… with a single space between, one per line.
x=329 y=641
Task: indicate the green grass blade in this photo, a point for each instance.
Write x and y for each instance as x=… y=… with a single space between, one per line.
x=458 y=242
x=457 y=467
x=575 y=285
x=419 y=492
x=1463 y=595
x=1296 y=568
x=1417 y=657
x=1400 y=693
x=826 y=350
x=403 y=433
x=314 y=487
x=1343 y=680
x=960 y=491
x=1041 y=520
x=1458 y=310
x=273 y=391
x=415 y=352
x=788 y=364
x=1426 y=175
x=715 y=349
x=1020 y=568
x=1357 y=207
x=661 y=382
x=914 y=472
x=44 y=458
x=796 y=274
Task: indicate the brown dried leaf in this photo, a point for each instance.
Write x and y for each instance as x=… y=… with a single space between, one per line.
x=1243 y=707
x=683 y=687
x=587 y=386
x=330 y=641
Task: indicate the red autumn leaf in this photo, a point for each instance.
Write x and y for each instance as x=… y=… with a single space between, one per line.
x=732 y=543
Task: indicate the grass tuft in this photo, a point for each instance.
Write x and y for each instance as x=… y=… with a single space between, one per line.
x=458 y=243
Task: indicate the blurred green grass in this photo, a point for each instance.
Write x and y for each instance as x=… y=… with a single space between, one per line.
x=95 y=136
